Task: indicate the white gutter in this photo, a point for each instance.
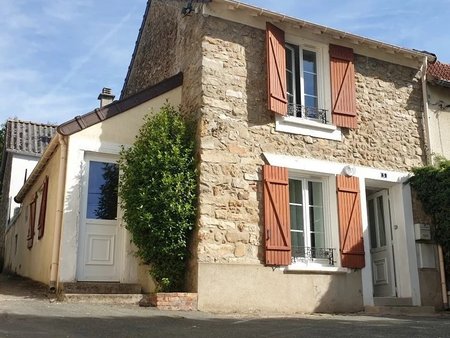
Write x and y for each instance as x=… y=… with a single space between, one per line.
x=425 y=116
x=59 y=213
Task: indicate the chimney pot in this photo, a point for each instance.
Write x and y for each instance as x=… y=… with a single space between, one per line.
x=106 y=97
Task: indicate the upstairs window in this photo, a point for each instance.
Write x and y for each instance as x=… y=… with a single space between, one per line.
x=311 y=85
x=304 y=90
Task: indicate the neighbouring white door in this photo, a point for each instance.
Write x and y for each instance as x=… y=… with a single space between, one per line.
x=99 y=236
x=381 y=245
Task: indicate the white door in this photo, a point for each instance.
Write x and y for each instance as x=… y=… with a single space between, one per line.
x=99 y=240
x=381 y=245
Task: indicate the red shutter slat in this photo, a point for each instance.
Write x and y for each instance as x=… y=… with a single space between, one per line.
x=43 y=209
x=276 y=70
x=350 y=222
x=343 y=86
x=277 y=232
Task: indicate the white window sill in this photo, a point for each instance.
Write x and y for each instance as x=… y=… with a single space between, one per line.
x=315 y=269
x=295 y=125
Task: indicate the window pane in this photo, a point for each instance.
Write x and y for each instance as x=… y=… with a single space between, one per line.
x=309 y=62
x=372 y=228
x=310 y=84
x=296 y=217
x=290 y=87
x=296 y=213
x=295 y=192
x=297 y=240
x=290 y=75
x=102 y=190
x=381 y=224
x=289 y=54
x=316 y=220
x=311 y=102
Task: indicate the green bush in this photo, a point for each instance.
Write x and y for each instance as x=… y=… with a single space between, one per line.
x=432 y=184
x=158 y=195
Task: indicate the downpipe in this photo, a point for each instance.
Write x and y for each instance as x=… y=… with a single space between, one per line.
x=59 y=215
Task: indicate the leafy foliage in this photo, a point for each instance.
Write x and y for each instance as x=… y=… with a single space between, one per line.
x=432 y=184
x=158 y=193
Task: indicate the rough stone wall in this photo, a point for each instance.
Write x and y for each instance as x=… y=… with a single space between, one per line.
x=156 y=58
x=236 y=128
x=169 y=44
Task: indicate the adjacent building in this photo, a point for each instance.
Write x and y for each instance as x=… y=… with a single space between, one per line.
x=24 y=143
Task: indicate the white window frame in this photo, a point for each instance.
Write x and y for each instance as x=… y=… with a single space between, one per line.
x=301 y=126
x=330 y=235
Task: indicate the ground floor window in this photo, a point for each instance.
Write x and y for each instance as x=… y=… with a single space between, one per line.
x=308 y=230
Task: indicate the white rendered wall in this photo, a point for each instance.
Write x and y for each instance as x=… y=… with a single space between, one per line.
x=20 y=165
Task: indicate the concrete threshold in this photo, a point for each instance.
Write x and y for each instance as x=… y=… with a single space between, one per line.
x=85 y=298
x=400 y=310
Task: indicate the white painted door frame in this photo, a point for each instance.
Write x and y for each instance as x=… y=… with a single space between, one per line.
x=99 y=243
x=380 y=229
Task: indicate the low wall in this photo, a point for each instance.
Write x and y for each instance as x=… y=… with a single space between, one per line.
x=255 y=288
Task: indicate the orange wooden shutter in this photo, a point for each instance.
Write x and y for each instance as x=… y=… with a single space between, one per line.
x=350 y=222
x=343 y=86
x=31 y=219
x=276 y=70
x=276 y=216
x=43 y=208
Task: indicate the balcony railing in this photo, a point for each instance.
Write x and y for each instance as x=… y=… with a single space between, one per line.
x=309 y=113
x=302 y=254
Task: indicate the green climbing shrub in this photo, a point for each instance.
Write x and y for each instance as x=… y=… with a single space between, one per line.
x=432 y=184
x=158 y=195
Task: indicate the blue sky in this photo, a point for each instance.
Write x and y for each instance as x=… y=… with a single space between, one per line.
x=57 y=55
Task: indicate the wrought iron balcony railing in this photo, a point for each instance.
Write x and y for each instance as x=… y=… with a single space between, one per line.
x=309 y=113
x=302 y=253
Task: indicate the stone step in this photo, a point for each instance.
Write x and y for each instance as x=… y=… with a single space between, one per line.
x=99 y=288
x=400 y=310
x=392 y=301
x=113 y=299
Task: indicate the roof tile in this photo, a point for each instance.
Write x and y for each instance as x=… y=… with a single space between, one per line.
x=439 y=71
x=28 y=137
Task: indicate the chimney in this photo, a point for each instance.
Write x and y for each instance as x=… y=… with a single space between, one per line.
x=106 y=97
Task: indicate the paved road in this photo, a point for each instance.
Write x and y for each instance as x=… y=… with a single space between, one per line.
x=25 y=311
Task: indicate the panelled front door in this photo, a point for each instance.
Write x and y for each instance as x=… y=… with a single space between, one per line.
x=381 y=245
x=99 y=242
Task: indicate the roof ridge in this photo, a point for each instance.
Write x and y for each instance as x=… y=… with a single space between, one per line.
x=31 y=122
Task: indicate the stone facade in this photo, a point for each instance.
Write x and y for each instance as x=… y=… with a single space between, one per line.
x=225 y=88
x=237 y=129
x=225 y=93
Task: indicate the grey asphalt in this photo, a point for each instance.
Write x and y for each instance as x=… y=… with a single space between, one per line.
x=26 y=311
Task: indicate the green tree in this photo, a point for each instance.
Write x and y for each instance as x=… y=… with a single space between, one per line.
x=158 y=195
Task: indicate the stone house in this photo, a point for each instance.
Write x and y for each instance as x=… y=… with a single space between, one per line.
x=24 y=143
x=306 y=136
x=305 y=140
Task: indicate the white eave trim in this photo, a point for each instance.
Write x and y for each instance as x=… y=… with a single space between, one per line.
x=336 y=34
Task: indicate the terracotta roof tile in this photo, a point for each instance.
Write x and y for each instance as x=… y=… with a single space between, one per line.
x=28 y=137
x=439 y=71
